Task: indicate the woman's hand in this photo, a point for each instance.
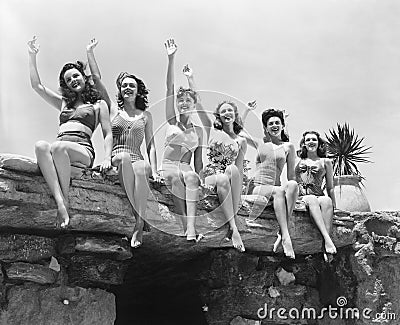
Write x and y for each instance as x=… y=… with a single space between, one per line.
x=33 y=48
x=187 y=71
x=91 y=46
x=252 y=105
x=105 y=165
x=170 y=47
x=157 y=177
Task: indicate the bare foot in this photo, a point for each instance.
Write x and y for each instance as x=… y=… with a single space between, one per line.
x=62 y=214
x=228 y=235
x=190 y=233
x=278 y=241
x=237 y=241
x=137 y=236
x=287 y=247
x=330 y=247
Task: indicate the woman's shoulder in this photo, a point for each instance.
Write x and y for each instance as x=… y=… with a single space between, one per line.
x=327 y=162
x=241 y=141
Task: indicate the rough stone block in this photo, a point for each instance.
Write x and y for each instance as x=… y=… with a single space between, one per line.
x=33 y=304
x=31 y=272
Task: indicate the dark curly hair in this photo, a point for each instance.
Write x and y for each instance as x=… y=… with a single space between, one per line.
x=267 y=114
x=182 y=91
x=237 y=124
x=89 y=95
x=321 y=150
x=141 y=101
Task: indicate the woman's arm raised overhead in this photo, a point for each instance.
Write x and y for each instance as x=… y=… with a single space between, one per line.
x=50 y=96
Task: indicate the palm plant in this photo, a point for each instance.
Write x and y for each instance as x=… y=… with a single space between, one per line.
x=346 y=150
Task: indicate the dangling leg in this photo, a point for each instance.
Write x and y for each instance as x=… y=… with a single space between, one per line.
x=64 y=153
x=279 y=201
x=49 y=172
x=191 y=180
x=326 y=206
x=141 y=191
x=174 y=181
x=236 y=188
x=127 y=181
x=224 y=192
x=291 y=194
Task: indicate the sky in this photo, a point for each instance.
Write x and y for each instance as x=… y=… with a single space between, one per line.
x=324 y=62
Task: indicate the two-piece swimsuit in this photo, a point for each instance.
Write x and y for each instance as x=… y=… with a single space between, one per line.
x=86 y=115
x=183 y=140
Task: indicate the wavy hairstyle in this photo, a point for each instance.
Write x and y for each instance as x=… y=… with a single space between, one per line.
x=141 y=101
x=272 y=112
x=89 y=94
x=237 y=124
x=321 y=150
x=182 y=91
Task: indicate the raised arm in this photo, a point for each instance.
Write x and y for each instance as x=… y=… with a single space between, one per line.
x=240 y=159
x=205 y=119
x=291 y=160
x=95 y=71
x=94 y=68
x=251 y=141
x=169 y=103
x=251 y=106
x=329 y=181
x=150 y=145
x=198 y=153
x=50 y=96
x=104 y=117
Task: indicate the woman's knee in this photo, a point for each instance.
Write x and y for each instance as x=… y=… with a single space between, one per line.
x=279 y=192
x=232 y=171
x=191 y=178
x=292 y=186
x=58 y=147
x=123 y=158
x=42 y=147
x=325 y=202
x=141 y=168
x=311 y=200
x=222 y=181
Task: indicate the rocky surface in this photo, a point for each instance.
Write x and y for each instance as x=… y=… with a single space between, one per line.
x=33 y=304
x=69 y=276
x=99 y=205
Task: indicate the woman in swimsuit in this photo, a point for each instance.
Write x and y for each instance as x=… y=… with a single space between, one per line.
x=81 y=109
x=183 y=140
x=271 y=158
x=224 y=172
x=310 y=172
x=130 y=123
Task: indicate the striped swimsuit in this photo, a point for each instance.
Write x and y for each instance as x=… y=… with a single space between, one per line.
x=128 y=136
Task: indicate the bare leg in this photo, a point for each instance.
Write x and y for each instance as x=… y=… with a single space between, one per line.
x=64 y=153
x=236 y=188
x=225 y=198
x=325 y=204
x=192 y=196
x=279 y=201
x=142 y=172
x=131 y=186
x=177 y=187
x=291 y=193
x=49 y=172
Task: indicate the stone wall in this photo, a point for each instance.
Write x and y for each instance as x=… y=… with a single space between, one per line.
x=68 y=276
